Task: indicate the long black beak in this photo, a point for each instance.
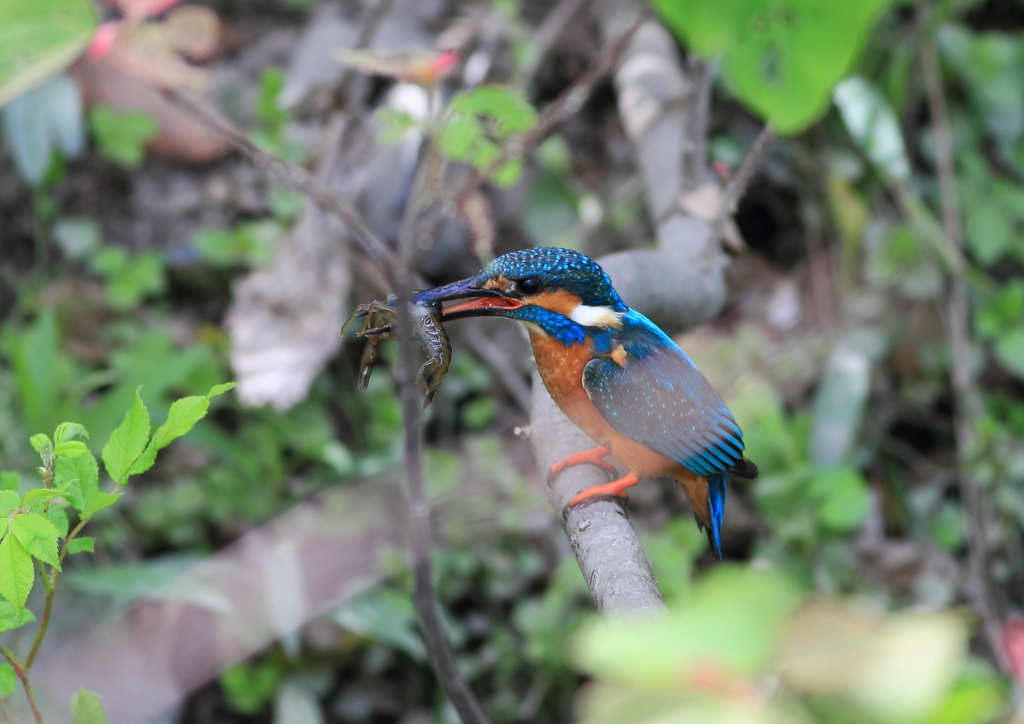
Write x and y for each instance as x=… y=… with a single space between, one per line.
x=485 y=302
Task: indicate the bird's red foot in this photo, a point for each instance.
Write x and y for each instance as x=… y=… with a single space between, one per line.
x=616 y=488
x=594 y=457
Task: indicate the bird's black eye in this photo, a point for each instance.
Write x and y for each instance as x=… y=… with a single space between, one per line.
x=530 y=285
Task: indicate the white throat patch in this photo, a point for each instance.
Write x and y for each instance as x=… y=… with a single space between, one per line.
x=596 y=316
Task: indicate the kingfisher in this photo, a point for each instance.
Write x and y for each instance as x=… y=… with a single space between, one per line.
x=615 y=374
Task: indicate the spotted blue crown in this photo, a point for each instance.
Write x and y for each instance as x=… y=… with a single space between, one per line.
x=559 y=269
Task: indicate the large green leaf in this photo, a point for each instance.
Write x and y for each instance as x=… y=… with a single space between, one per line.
x=16 y=572
x=40 y=39
x=781 y=57
x=86 y=708
x=81 y=475
x=128 y=442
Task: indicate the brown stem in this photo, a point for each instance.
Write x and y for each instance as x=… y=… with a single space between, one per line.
x=44 y=624
x=439 y=650
x=744 y=175
x=967 y=401
x=22 y=673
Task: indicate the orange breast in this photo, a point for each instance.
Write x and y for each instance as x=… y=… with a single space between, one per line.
x=561 y=369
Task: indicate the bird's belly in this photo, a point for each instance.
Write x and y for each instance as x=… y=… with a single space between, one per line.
x=561 y=369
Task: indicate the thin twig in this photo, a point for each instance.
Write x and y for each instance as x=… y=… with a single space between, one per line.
x=425 y=600
x=966 y=397
x=292 y=176
x=695 y=161
x=547 y=34
x=744 y=175
x=7 y=711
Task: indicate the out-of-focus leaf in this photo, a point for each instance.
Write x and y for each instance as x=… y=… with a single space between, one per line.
x=38 y=40
x=384 y=615
x=839 y=402
x=249 y=686
x=44 y=119
x=782 y=57
x=841 y=497
x=296 y=703
x=900 y=258
x=1003 y=312
x=121 y=137
x=993 y=67
x=717 y=633
x=873 y=124
x=86 y=708
x=898 y=667
x=8 y=679
x=1009 y=349
x=9 y=500
x=83 y=544
x=9 y=481
x=11 y=618
x=990 y=232
x=509 y=109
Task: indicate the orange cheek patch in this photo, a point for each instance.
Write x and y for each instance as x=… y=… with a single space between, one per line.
x=561 y=301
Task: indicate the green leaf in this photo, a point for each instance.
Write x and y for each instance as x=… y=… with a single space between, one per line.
x=39 y=40
x=87 y=709
x=59 y=517
x=9 y=500
x=128 y=442
x=1009 y=350
x=68 y=431
x=8 y=679
x=874 y=125
x=41 y=494
x=70 y=449
x=98 y=501
x=77 y=238
x=780 y=57
x=11 y=619
x=9 y=480
x=41 y=121
x=990 y=231
x=842 y=497
x=121 y=137
x=40 y=442
x=16 y=572
x=38 y=535
x=78 y=478
x=509 y=108
x=78 y=545
x=718 y=629
x=181 y=418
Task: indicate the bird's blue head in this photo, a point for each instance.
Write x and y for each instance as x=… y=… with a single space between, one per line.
x=559 y=290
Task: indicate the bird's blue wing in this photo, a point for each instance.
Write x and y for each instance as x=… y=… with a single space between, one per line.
x=661 y=400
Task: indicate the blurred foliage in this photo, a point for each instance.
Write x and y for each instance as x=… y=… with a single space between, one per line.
x=848 y=416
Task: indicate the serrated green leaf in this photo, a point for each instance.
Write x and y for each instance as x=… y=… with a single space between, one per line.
x=86 y=708
x=70 y=449
x=218 y=390
x=16 y=572
x=8 y=679
x=78 y=545
x=38 y=535
x=9 y=480
x=9 y=500
x=181 y=418
x=78 y=478
x=128 y=441
x=59 y=517
x=11 y=619
x=39 y=442
x=67 y=431
x=98 y=501
x=37 y=495
x=780 y=57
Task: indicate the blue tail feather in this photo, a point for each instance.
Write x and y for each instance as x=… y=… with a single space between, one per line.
x=716 y=506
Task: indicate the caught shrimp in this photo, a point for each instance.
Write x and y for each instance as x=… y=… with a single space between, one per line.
x=378 y=326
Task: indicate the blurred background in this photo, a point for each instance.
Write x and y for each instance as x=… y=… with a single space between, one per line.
x=868 y=335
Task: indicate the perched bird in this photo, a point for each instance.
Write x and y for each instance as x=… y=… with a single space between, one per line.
x=615 y=374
